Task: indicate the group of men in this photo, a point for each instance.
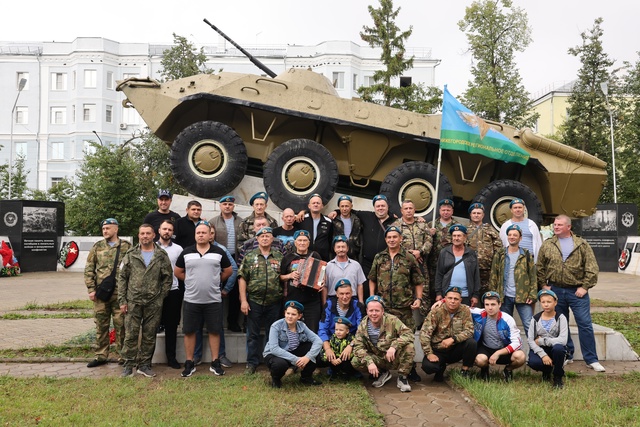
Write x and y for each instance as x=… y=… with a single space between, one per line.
x=186 y=265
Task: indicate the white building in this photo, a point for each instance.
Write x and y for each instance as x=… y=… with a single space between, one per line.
x=70 y=98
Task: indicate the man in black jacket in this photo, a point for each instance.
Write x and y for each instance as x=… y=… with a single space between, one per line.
x=458 y=267
x=319 y=227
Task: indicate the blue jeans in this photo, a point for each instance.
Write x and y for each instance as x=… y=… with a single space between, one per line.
x=524 y=310
x=259 y=316
x=581 y=308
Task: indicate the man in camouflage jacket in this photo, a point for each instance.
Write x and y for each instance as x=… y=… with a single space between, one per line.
x=261 y=292
x=524 y=278
x=485 y=240
x=99 y=266
x=567 y=265
x=392 y=348
x=398 y=278
x=144 y=281
x=447 y=336
x=246 y=229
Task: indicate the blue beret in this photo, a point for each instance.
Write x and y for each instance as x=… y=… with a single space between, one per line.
x=517 y=201
x=514 y=227
x=303 y=233
x=476 y=205
x=380 y=197
x=342 y=320
x=344 y=197
x=453 y=289
x=547 y=292
x=294 y=304
x=458 y=227
x=227 y=199
x=264 y=230
x=376 y=298
x=260 y=195
x=109 y=221
x=342 y=282
x=340 y=238
x=203 y=222
x=164 y=193
x=392 y=228
x=445 y=202
x=315 y=195
x=491 y=294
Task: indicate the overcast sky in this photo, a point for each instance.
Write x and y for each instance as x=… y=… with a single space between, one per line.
x=556 y=26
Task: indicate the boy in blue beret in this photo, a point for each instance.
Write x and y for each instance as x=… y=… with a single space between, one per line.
x=339 y=341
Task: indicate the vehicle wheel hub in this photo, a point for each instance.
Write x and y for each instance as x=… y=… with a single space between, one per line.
x=300 y=175
x=420 y=192
x=207 y=158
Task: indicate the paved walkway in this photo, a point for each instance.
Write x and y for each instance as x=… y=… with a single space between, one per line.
x=429 y=403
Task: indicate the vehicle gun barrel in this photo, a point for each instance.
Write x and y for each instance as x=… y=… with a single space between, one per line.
x=253 y=59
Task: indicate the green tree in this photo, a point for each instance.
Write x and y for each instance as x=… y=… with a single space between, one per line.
x=183 y=59
x=386 y=35
x=108 y=185
x=496 y=30
x=19 y=172
x=587 y=123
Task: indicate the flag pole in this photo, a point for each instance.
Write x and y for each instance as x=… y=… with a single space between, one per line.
x=433 y=221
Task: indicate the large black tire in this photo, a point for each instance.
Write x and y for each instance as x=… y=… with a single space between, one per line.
x=208 y=159
x=415 y=181
x=297 y=169
x=497 y=195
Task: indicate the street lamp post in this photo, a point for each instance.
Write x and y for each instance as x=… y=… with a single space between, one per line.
x=21 y=86
x=605 y=90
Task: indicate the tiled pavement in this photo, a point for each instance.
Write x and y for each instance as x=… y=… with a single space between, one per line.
x=429 y=403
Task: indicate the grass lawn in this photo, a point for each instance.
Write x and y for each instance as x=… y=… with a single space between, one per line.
x=628 y=324
x=233 y=400
x=585 y=401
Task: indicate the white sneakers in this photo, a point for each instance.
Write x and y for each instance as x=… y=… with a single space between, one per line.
x=596 y=366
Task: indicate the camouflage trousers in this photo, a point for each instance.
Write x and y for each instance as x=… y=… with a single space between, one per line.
x=484 y=283
x=403 y=361
x=405 y=314
x=103 y=313
x=137 y=350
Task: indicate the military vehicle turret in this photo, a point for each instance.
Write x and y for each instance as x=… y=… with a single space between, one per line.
x=297 y=133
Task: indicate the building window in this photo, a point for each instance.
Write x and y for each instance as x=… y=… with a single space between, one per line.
x=129 y=75
x=355 y=82
x=21 y=149
x=21 y=76
x=369 y=81
x=73 y=113
x=338 y=80
x=57 y=150
x=58 y=115
x=89 y=113
x=59 y=81
x=90 y=77
x=109 y=114
x=55 y=181
x=89 y=147
x=110 y=81
x=405 y=81
x=22 y=115
x=73 y=80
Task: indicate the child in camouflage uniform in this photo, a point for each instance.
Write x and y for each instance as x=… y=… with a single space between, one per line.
x=341 y=338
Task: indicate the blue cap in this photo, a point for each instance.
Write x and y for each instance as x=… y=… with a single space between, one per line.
x=491 y=294
x=109 y=221
x=294 y=304
x=342 y=282
x=340 y=238
x=164 y=193
x=342 y=320
x=260 y=195
x=514 y=227
x=454 y=289
x=376 y=298
x=457 y=227
x=445 y=202
x=547 y=292
x=264 y=230
x=303 y=233
x=476 y=205
x=517 y=201
x=392 y=228
x=227 y=199
x=344 y=197
x=380 y=197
